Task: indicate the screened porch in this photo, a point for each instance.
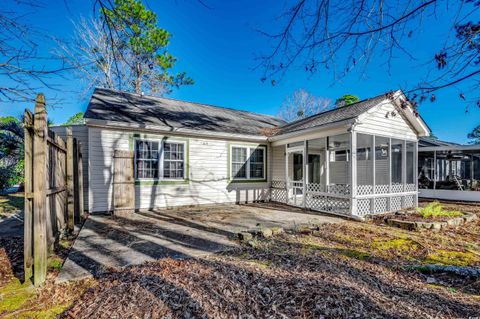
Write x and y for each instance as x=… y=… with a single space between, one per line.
x=350 y=174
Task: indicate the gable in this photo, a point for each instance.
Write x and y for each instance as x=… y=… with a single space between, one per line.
x=386 y=119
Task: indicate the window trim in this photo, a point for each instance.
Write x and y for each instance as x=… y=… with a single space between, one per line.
x=249 y=147
x=161 y=153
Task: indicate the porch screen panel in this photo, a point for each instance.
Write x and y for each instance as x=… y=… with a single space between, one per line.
x=425 y=170
x=364 y=163
x=410 y=163
x=397 y=155
x=316 y=161
x=339 y=159
x=382 y=159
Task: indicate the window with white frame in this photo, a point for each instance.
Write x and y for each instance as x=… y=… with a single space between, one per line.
x=173 y=160
x=159 y=160
x=146 y=159
x=248 y=162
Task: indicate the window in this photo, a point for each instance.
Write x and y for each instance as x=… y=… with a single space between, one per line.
x=248 y=162
x=256 y=163
x=173 y=160
x=146 y=158
x=239 y=159
x=155 y=162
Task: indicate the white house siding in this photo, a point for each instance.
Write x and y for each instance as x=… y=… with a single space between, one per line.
x=380 y=121
x=81 y=133
x=208 y=174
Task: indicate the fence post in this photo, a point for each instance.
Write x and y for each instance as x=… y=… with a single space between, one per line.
x=28 y=210
x=70 y=181
x=80 y=180
x=39 y=192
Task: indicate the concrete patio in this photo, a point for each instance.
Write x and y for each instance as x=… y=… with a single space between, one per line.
x=107 y=242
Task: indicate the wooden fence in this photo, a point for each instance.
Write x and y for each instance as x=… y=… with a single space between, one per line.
x=53 y=190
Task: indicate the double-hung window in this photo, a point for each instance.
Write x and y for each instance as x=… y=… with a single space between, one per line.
x=173 y=160
x=147 y=159
x=159 y=160
x=248 y=162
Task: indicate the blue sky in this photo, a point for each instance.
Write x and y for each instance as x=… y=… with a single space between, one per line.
x=217 y=48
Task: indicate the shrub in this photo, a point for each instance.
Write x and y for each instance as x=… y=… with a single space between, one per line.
x=435 y=209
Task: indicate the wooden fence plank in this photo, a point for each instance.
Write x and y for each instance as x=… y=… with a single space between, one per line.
x=39 y=192
x=28 y=210
x=70 y=181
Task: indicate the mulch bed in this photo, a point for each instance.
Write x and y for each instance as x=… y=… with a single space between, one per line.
x=279 y=279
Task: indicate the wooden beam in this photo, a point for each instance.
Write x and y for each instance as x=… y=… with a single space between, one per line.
x=28 y=210
x=39 y=188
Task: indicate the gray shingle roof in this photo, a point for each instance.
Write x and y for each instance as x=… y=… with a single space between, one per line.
x=112 y=105
x=335 y=115
x=429 y=141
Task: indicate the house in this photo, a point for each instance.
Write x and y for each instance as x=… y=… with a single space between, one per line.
x=354 y=160
x=448 y=171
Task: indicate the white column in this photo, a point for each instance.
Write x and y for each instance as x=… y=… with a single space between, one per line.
x=404 y=171
x=353 y=172
x=372 y=204
x=415 y=173
x=327 y=165
x=389 y=173
x=305 y=172
x=434 y=169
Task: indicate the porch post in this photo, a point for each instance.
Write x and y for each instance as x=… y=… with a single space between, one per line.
x=286 y=176
x=372 y=204
x=327 y=165
x=415 y=173
x=389 y=173
x=353 y=172
x=305 y=172
x=404 y=171
x=434 y=170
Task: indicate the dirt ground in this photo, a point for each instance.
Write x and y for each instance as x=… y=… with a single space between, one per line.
x=346 y=270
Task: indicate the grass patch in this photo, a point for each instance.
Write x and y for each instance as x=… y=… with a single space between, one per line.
x=453 y=258
x=14 y=295
x=54 y=263
x=435 y=209
x=399 y=244
x=356 y=254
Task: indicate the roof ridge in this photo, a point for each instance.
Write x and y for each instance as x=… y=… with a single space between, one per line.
x=331 y=110
x=197 y=103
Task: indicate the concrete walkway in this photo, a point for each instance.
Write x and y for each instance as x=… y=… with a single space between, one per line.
x=107 y=242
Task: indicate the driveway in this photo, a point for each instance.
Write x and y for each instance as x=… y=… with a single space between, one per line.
x=107 y=242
